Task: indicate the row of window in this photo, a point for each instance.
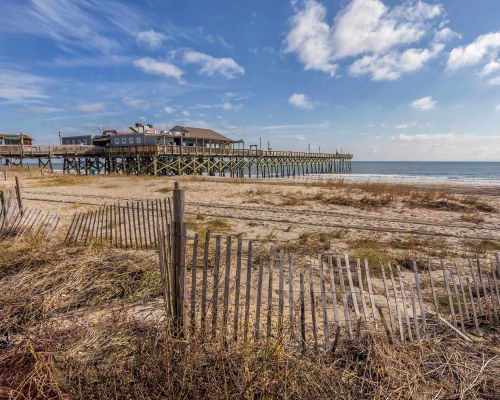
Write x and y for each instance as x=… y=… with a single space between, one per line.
x=138 y=140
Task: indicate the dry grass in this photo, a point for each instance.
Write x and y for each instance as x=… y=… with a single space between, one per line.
x=74 y=337
x=66 y=180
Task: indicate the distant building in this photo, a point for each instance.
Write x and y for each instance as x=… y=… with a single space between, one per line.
x=147 y=135
x=83 y=139
x=199 y=137
x=16 y=138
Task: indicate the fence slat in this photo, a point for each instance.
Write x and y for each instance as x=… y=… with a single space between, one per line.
x=215 y=292
x=291 y=277
x=455 y=289
x=302 y=314
x=237 y=289
x=247 y=290
x=361 y=289
x=387 y=295
x=193 y=284
x=204 y=282
x=370 y=292
x=414 y=308
x=333 y=291
x=313 y=308
x=345 y=304
x=281 y=300
x=476 y=286
x=448 y=291
x=398 y=311
x=322 y=288
x=270 y=293
x=225 y=306
x=473 y=306
x=419 y=295
x=403 y=299
x=259 y=298
x=351 y=287
x=460 y=281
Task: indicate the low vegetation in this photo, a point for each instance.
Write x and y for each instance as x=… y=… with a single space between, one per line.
x=77 y=328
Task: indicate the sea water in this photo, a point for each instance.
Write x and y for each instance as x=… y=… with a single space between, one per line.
x=475 y=173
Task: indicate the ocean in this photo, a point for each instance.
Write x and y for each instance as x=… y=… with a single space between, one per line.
x=474 y=173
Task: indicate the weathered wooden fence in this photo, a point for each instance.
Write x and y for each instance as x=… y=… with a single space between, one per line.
x=225 y=289
x=17 y=220
x=129 y=225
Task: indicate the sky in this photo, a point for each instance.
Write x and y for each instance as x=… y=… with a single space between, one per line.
x=384 y=80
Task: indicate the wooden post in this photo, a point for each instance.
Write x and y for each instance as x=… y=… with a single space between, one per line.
x=351 y=286
x=3 y=203
x=19 y=196
x=455 y=288
x=459 y=274
x=476 y=286
x=434 y=298
x=179 y=249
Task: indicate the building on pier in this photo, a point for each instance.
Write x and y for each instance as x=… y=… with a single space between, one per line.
x=147 y=135
x=16 y=138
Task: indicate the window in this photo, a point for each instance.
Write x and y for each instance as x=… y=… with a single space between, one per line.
x=131 y=140
x=124 y=140
x=117 y=141
x=139 y=141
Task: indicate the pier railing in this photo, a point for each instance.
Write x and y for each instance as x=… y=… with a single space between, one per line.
x=19 y=151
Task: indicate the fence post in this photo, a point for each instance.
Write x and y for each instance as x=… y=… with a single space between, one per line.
x=3 y=203
x=19 y=196
x=179 y=247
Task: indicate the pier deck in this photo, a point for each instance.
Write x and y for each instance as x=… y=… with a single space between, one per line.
x=179 y=160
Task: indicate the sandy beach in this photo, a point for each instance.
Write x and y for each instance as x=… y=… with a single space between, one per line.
x=418 y=220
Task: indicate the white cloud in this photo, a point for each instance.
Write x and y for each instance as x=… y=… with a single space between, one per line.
x=90 y=107
x=136 y=103
x=424 y=104
x=300 y=100
x=489 y=68
x=151 y=39
x=445 y=35
x=363 y=27
x=169 y=110
x=392 y=65
x=152 y=66
x=494 y=81
x=91 y=25
x=185 y=113
x=21 y=87
x=422 y=137
x=227 y=106
x=483 y=48
x=210 y=66
x=497 y=108
x=406 y=125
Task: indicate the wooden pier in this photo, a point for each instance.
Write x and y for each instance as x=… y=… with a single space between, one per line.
x=179 y=160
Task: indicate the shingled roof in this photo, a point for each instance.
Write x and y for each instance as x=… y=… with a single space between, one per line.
x=200 y=133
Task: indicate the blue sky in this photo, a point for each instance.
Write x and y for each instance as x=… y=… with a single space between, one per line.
x=382 y=79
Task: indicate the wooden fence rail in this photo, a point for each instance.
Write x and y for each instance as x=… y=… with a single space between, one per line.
x=135 y=224
x=302 y=302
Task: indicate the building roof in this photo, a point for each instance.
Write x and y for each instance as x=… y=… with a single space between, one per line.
x=200 y=133
x=14 y=136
